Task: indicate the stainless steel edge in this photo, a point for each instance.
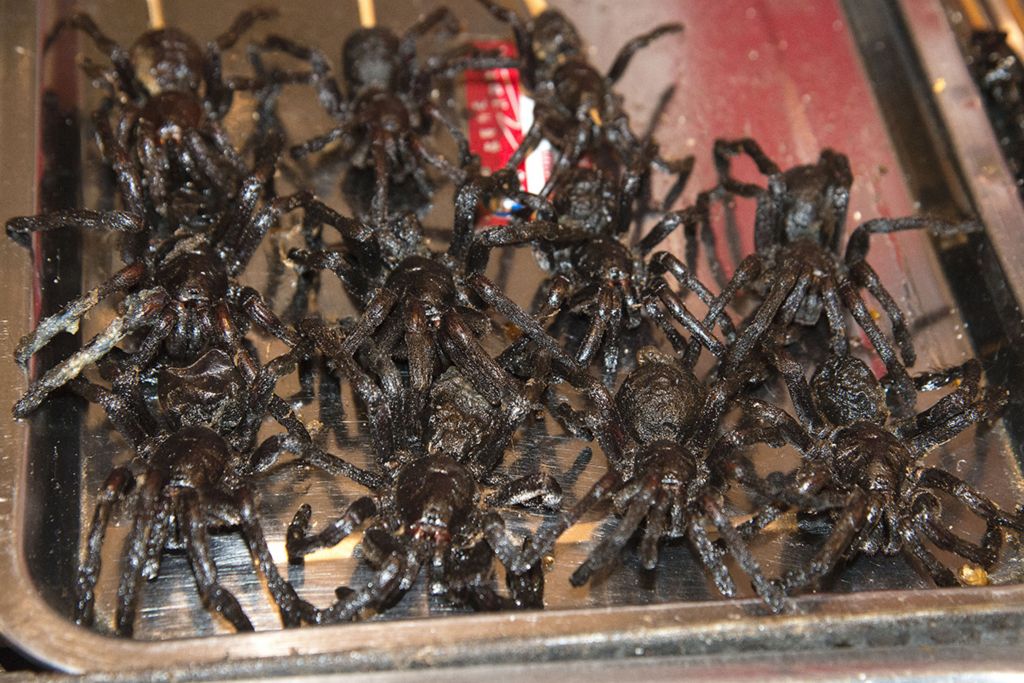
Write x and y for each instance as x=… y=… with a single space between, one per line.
x=959 y=104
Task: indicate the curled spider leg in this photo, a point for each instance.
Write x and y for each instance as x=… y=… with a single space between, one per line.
x=394 y=571
x=963 y=492
x=854 y=517
x=865 y=276
x=545 y=539
x=125 y=416
x=118 y=484
x=140 y=309
x=117 y=54
x=300 y=543
x=242 y=23
x=197 y=545
x=858 y=243
x=738 y=549
x=136 y=545
x=627 y=52
x=607 y=551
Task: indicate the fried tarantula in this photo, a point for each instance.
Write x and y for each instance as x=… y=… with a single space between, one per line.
x=576 y=109
x=194 y=481
x=182 y=292
x=428 y=517
x=796 y=268
x=863 y=470
x=385 y=114
x=169 y=153
x=659 y=429
x=595 y=272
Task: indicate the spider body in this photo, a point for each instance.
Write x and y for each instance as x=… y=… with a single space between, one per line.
x=384 y=115
x=796 y=266
x=862 y=469
x=577 y=109
x=193 y=483
x=595 y=271
x=172 y=160
x=659 y=475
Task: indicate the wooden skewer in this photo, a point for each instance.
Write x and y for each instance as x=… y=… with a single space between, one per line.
x=367 y=14
x=975 y=15
x=535 y=7
x=156 y=14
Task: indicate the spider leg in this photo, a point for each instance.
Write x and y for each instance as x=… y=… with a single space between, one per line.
x=612 y=338
x=626 y=53
x=192 y=523
x=140 y=309
x=377 y=406
x=905 y=391
x=678 y=310
x=534 y=136
x=839 y=342
x=657 y=520
x=568 y=158
x=129 y=182
x=926 y=514
x=465 y=352
x=455 y=131
x=786 y=279
x=158 y=537
x=932 y=477
x=18 y=229
x=799 y=392
x=67 y=319
x=665 y=261
x=379 y=203
x=135 y=551
x=118 y=484
x=855 y=518
x=394 y=573
x=544 y=541
x=737 y=547
x=725 y=149
x=334 y=261
x=865 y=276
x=858 y=243
x=919 y=556
x=299 y=543
x=252 y=303
x=118 y=56
x=599 y=325
x=557 y=291
x=375 y=313
x=711 y=556
x=607 y=551
x=122 y=414
x=532 y=490
x=315 y=144
x=421 y=366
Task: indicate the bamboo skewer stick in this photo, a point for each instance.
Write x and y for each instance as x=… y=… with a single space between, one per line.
x=156 y=14
x=367 y=14
x=535 y=7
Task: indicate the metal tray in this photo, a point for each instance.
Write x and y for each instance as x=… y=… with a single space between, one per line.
x=798 y=76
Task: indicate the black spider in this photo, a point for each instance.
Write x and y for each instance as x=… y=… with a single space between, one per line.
x=863 y=470
x=428 y=516
x=170 y=155
x=595 y=272
x=194 y=481
x=385 y=114
x=182 y=289
x=576 y=109
x=796 y=267
x=656 y=435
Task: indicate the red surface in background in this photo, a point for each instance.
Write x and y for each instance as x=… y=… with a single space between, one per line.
x=492 y=98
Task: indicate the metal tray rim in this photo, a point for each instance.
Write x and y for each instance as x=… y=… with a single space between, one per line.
x=30 y=624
